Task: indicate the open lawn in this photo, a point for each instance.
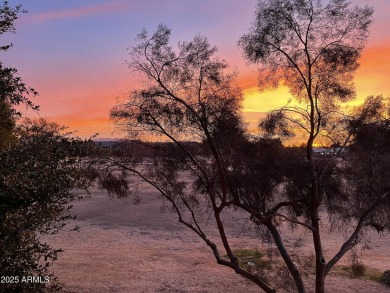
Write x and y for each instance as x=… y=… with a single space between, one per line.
x=122 y=247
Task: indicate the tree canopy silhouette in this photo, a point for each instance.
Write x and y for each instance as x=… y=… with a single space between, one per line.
x=313 y=48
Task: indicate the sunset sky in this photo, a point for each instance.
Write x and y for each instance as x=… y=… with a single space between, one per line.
x=73 y=52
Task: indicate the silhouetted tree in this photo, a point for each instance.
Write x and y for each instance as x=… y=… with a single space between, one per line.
x=186 y=96
x=40 y=166
x=7 y=124
x=37 y=176
x=12 y=89
x=313 y=47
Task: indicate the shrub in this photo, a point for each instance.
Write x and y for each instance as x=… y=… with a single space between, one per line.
x=386 y=278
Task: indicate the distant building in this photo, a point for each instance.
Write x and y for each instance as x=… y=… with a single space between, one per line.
x=328 y=151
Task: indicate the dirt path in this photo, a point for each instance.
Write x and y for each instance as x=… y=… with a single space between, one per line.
x=123 y=247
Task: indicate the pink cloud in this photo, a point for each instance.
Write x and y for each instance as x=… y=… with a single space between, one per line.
x=78 y=12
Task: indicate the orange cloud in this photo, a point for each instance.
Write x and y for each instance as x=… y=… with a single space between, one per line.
x=372 y=78
x=84 y=127
x=255 y=101
x=248 y=79
x=77 y=12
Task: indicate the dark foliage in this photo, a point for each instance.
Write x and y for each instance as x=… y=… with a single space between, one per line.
x=312 y=47
x=37 y=175
x=12 y=89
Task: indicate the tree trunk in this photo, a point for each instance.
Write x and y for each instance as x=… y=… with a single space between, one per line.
x=286 y=257
x=320 y=260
